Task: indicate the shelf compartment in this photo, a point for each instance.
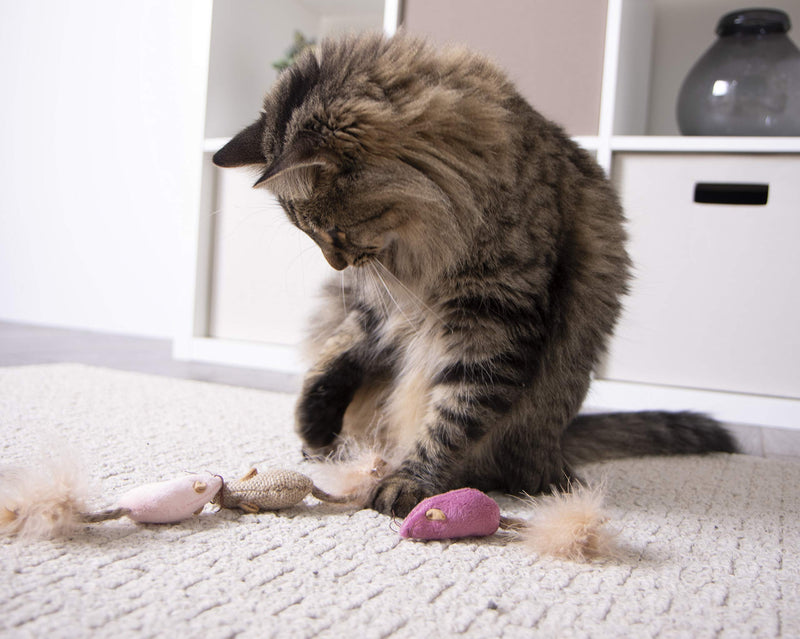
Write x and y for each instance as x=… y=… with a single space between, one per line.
x=713 y=303
x=247 y=36
x=526 y=38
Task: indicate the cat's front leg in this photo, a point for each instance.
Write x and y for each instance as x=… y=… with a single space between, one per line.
x=465 y=401
x=325 y=396
x=398 y=493
x=329 y=387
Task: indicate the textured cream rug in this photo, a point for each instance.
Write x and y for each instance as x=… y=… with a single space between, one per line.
x=712 y=544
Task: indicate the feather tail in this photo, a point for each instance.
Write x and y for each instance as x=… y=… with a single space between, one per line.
x=43 y=503
x=569 y=525
x=352 y=473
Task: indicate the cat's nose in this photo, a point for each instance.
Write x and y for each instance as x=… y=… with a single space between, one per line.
x=335 y=257
x=334 y=247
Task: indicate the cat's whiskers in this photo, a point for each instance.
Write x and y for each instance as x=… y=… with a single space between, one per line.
x=238 y=209
x=377 y=290
x=416 y=298
x=344 y=299
x=230 y=223
x=399 y=308
x=291 y=264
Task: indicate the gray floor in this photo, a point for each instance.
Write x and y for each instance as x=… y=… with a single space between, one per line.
x=22 y=344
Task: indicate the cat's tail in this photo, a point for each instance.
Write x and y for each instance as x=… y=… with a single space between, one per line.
x=597 y=437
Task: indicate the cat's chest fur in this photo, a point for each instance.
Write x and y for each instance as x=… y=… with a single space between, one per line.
x=410 y=336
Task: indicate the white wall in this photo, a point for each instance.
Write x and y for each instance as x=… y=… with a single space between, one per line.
x=99 y=126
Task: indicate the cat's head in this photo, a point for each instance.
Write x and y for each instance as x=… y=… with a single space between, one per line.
x=365 y=147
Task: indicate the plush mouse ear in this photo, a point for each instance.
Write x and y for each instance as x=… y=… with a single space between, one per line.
x=243 y=149
x=294 y=174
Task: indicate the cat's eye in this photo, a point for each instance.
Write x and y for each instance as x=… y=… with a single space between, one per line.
x=338 y=237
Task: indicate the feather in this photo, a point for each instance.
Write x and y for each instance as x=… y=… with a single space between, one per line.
x=352 y=472
x=44 y=503
x=570 y=525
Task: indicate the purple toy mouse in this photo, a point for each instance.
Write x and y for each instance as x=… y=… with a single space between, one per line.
x=465 y=512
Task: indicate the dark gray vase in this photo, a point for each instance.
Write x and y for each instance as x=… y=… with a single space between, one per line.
x=748 y=82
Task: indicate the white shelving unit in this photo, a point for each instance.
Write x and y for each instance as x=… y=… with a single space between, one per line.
x=237 y=42
x=623 y=139
x=680 y=144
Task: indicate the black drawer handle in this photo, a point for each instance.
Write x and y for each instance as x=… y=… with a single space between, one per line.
x=718 y=193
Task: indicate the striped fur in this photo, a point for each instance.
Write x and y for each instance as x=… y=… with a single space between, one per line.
x=483 y=262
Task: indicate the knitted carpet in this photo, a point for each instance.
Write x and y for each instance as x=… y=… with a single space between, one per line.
x=711 y=545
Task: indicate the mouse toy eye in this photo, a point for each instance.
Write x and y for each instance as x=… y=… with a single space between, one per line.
x=434 y=514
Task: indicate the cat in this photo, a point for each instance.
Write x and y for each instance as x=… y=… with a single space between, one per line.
x=483 y=263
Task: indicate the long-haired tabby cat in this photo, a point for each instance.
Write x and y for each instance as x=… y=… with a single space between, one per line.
x=483 y=258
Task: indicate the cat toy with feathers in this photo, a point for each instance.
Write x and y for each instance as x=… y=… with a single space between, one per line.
x=51 y=503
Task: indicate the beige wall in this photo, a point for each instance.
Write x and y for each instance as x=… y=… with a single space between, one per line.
x=552 y=50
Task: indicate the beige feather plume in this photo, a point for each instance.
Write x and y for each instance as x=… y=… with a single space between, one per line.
x=353 y=471
x=570 y=525
x=44 y=502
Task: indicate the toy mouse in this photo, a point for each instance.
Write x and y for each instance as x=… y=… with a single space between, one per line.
x=50 y=504
x=564 y=525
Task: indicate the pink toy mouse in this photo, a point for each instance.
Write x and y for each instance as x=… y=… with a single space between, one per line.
x=465 y=512
x=168 y=502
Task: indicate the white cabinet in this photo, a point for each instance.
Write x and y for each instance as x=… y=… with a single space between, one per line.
x=716 y=302
x=710 y=321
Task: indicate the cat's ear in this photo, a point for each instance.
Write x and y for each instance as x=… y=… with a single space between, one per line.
x=296 y=171
x=243 y=149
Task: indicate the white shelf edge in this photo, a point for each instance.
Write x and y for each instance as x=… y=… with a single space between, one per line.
x=608 y=93
x=733 y=408
x=606 y=395
x=391 y=16
x=588 y=142
x=703 y=144
x=281 y=358
x=194 y=256
x=212 y=145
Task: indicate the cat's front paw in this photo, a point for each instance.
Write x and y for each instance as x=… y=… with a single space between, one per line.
x=319 y=453
x=397 y=495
